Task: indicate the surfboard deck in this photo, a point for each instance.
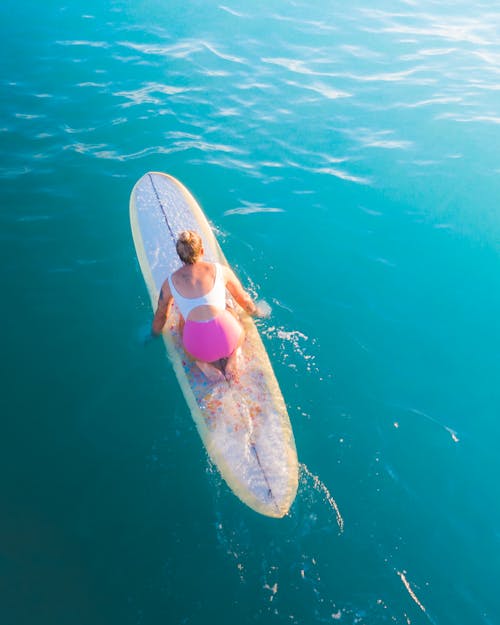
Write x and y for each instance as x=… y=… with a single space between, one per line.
x=244 y=425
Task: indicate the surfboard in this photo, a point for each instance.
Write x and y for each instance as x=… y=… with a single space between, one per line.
x=244 y=425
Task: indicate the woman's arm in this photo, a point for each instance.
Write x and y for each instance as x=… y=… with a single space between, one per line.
x=238 y=292
x=165 y=301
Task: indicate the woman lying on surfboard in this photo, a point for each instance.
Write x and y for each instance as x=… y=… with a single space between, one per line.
x=211 y=334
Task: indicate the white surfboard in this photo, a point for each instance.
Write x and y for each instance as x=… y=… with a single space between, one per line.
x=244 y=426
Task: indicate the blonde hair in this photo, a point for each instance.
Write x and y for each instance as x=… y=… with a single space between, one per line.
x=189 y=246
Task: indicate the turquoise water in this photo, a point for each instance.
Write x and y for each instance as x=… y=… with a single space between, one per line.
x=347 y=156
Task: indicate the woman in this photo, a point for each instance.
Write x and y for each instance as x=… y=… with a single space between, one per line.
x=210 y=332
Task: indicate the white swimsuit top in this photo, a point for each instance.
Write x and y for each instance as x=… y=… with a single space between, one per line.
x=215 y=297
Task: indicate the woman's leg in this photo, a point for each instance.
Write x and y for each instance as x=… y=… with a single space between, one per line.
x=233 y=362
x=210 y=371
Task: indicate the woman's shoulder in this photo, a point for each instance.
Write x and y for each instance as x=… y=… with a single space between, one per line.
x=172 y=275
x=225 y=270
x=199 y=268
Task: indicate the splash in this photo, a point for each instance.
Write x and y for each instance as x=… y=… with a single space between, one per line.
x=320 y=487
x=293 y=346
x=451 y=432
x=406 y=584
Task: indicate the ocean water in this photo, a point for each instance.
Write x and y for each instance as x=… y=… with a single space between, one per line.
x=347 y=156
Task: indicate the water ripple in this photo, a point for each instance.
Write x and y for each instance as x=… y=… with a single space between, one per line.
x=249 y=208
x=180 y=50
x=148 y=94
x=342 y=174
x=429 y=102
x=324 y=90
x=82 y=43
x=221 y=55
x=233 y=12
x=382 y=139
x=297 y=66
x=479 y=119
x=448 y=28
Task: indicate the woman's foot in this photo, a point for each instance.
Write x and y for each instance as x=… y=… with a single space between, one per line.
x=232 y=371
x=210 y=371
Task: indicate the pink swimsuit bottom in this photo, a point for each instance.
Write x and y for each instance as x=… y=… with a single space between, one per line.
x=213 y=339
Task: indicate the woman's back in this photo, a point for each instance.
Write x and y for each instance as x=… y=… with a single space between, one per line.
x=199 y=290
